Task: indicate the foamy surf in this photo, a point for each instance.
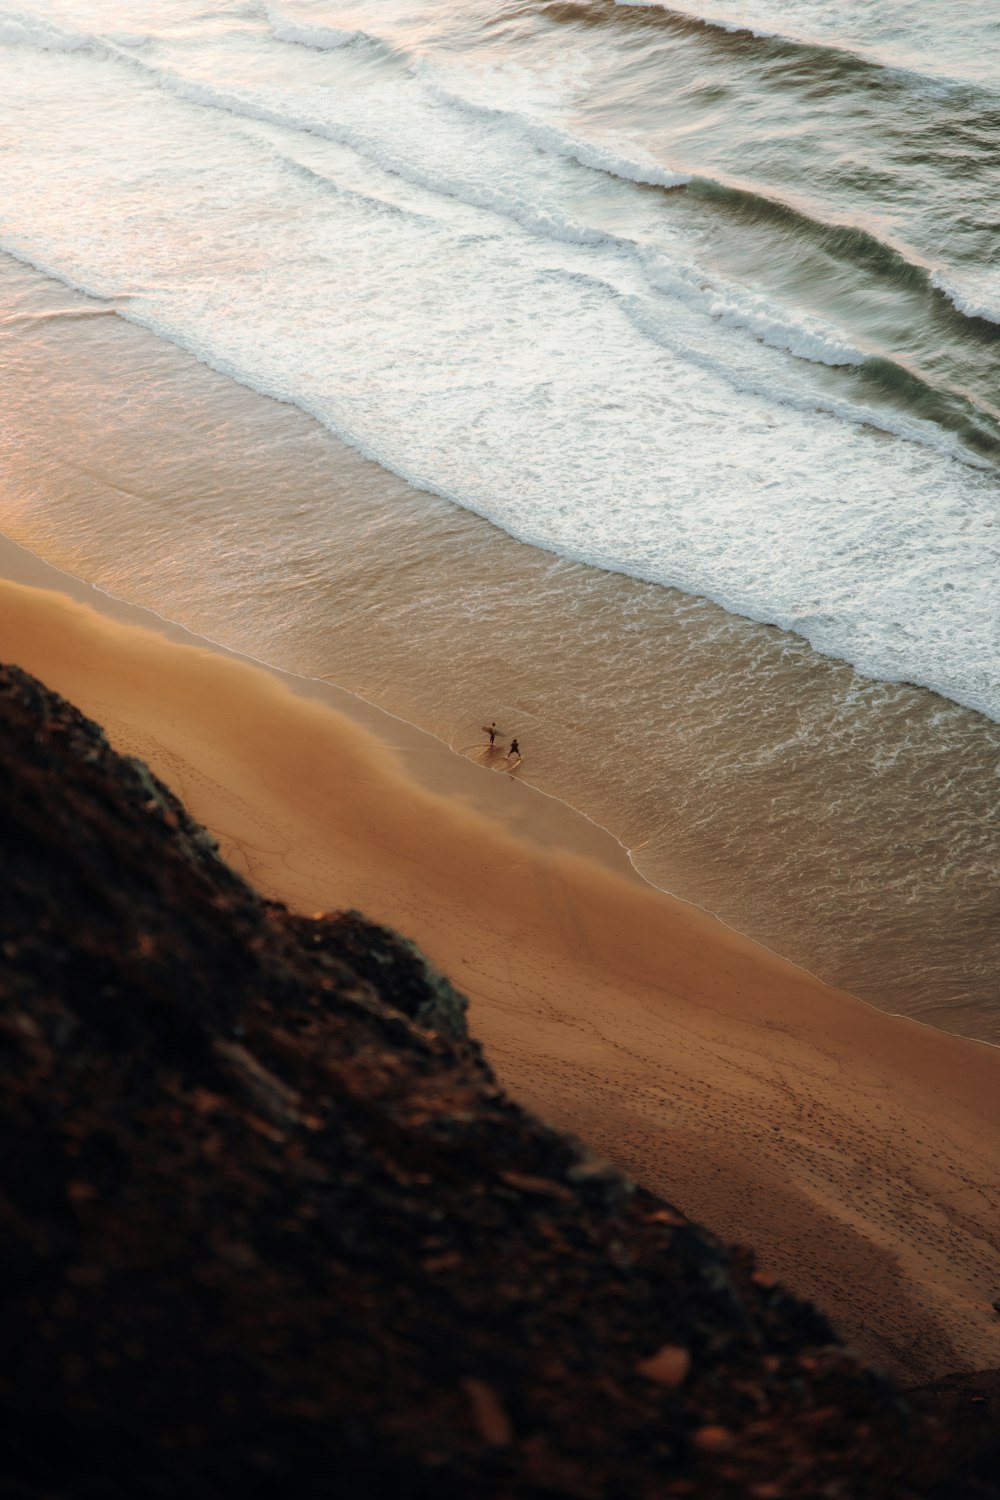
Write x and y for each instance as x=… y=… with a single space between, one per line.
x=849 y=824
x=520 y=328
x=891 y=35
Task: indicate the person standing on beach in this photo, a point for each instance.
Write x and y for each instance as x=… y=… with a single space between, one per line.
x=492 y=732
x=515 y=749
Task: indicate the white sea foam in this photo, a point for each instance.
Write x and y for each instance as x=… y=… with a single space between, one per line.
x=900 y=36
x=306 y=34
x=631 y=166
x=775 y=385
x=505 y=192
x=28 y=31
x=406 y=269
x=981 y=302
x=737 y=307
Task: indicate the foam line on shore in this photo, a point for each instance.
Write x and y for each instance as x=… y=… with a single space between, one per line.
x=855 y=1150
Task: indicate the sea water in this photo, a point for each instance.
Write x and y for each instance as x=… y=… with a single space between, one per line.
x=638 y=381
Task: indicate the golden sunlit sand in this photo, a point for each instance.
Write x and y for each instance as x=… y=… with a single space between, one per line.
x=857 y=1152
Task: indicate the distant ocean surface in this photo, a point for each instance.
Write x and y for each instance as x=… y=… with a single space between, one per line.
x=700 y=302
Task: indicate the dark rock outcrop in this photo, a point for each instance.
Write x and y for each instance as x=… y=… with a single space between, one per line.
x=269 y=1227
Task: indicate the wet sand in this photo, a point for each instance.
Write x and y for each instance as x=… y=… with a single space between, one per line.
x=856 y=1151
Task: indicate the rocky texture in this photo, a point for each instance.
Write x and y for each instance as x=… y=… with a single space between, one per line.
x=269 y=1227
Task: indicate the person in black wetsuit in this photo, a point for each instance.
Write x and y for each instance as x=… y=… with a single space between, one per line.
x=515 y=749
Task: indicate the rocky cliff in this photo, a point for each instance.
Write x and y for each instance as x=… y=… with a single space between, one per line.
x=269 y=1226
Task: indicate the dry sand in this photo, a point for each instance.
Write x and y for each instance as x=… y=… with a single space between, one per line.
x=856 y=1151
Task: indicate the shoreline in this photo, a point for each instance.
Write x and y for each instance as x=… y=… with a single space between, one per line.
x=431 y=761
x=847 y=824
x=854 y=1150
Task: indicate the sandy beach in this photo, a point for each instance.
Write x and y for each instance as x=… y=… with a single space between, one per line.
x=856 y=1151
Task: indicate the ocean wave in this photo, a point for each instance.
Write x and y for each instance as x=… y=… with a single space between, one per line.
x=841 y=57
x=857 y=243
x=975 y=422
x=748 y=312
x=969 y=306
x=20 y=30
x=946 y=424
x=929 y=433
x=949 y=427
x=738 y=308
x=474 y=193
x=639 y=167
x=734 y=307
x=367 y=199
x=322 y=38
